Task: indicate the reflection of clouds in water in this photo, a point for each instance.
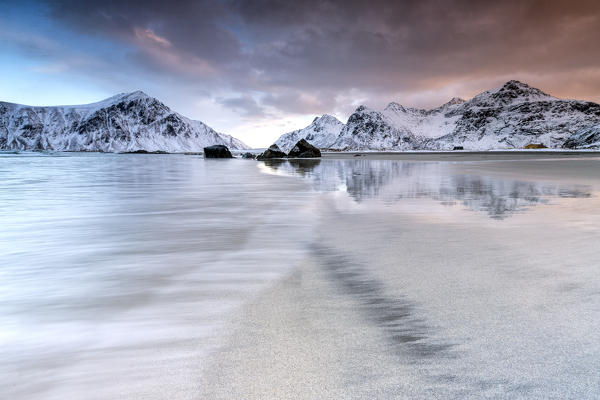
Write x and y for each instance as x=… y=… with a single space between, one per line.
x=392 y=181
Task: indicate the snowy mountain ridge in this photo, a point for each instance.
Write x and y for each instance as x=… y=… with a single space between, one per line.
x=508 y=117
x=124 y=122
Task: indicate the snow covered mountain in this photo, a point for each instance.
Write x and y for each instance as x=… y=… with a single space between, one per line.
x=516 y=115
x=369 y=129
x=322 y=132
x=509 y=117
x=125 y=122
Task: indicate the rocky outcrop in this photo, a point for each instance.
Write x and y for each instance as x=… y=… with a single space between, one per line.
x=272 y=152
x=584 y=139
x=303 y=149
x=217 y=151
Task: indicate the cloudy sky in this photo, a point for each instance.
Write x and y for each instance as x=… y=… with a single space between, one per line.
x=256 y=69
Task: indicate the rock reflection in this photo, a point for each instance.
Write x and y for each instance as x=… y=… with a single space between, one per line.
x=392 y=181
x=304 y=167
x=274 y=163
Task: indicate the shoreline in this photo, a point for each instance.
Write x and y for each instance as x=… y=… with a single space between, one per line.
x=415 y=156
x=495 y=155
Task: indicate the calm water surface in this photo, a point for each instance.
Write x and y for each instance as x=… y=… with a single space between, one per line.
x=170 y=276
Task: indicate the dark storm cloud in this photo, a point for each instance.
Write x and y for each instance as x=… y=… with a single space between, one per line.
x=303 y=54
x=195 y=27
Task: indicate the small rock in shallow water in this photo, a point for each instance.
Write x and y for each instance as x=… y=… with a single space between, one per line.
x=144 y=152
x=303 y=149
x=272 y=152
x=217 y=151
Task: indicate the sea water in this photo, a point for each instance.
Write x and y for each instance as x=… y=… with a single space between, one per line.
x=171 y=276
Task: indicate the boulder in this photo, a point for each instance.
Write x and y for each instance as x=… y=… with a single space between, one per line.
x=272 y=152
x=145 y=152
x=217 y=151
x=303 y=149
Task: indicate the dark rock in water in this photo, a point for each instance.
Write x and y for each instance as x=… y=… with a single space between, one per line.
x=249 y=156
x=303 y=149
x=137 y=152
x=535 y=146
x=217 y=151
x=145 y=152
x=458 y=148
x=272 y=152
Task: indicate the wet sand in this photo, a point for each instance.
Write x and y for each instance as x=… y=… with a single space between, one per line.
x=419 y=298
x=462 y=155
x=344 y=277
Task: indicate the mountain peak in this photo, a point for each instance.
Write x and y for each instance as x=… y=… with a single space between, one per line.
x=452 y=102
x=326 y=118
x=393 y=106
x=511 y=92
x=138 y=94
x=514 y=84
x=455 y=100
x=518 y=88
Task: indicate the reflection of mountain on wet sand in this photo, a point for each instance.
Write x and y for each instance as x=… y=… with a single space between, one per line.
x=391 y=181
x=500 y=198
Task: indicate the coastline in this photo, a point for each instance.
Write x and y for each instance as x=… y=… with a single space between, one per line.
x=426 y=155
x=463 y=155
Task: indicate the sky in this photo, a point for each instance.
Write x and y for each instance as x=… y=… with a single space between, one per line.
x=258 y=69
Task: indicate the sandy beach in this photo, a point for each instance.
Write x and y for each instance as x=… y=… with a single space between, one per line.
x=407 y=298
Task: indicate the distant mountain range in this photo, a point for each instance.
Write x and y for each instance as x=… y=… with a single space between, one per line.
x=125 y=122
x=512 y=116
